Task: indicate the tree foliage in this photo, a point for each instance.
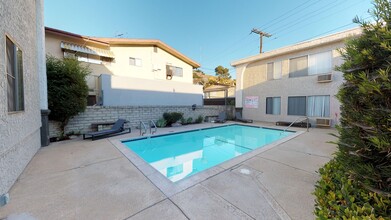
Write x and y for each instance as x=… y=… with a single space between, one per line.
x=365 y=131
x=67 y=88
x=357 y=183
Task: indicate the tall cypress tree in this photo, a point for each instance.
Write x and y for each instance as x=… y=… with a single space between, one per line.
x=365 y=129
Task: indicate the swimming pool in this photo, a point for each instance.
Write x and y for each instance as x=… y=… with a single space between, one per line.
x=180 y=155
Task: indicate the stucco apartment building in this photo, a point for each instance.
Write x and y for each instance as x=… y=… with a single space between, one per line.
x=293 y=81
x=129 y=72
x=23 y=93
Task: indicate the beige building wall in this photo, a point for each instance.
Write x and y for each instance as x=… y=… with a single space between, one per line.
x=53 y=48
x=252 y=79
x=19 y=131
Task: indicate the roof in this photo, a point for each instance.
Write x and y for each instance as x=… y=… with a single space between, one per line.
x=72 y=35
x=127 y=41
x=337 y=37
x=149 y=42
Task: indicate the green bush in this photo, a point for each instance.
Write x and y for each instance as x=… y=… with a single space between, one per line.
x=199 y=119
x=339 y=197
x=161 y=123
x=189 y=120
x=365 y=131
x=172 y=117
x=183 y=121
x=67 y=88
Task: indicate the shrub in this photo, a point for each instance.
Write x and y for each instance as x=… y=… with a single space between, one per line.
x=67 y=89
x=161 y=123
x=357 y=183
x=365 y=134
x=340 y=197
x=172 y=117
x=189 y=120
x=199 y=119
x=183 y=121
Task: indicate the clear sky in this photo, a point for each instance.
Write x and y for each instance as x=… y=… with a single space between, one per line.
x=211 y=32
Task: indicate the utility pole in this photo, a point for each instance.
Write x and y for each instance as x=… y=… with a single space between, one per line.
x=261 y=34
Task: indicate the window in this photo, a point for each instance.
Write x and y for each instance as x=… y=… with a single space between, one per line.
x=277 y=71
x=155 y=49
x=269 y=71
x=15 y=93
x=273 y=105
x=274 y=70
x=319 y=63
x=298 y=66
x=318 y=106
x=83 y=57
x=174 y=71
x=135 y=61
x=297 y=105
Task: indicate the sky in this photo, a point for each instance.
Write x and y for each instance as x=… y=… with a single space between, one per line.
x=211 y=32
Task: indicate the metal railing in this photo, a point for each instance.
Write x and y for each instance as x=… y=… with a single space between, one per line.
x=142 y=125
x=305 y=118
x=152 y=123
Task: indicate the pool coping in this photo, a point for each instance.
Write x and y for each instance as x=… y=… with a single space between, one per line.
x=170 y=188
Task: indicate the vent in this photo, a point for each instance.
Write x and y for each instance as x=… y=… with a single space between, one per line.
x=323 y=122
x=325 y=78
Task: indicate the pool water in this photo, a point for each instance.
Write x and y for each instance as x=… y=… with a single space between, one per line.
x=180 y=155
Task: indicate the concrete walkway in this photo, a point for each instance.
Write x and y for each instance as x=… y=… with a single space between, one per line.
x=79 y=179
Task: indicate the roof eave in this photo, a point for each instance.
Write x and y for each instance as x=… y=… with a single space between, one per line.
x=76 y=36
x=341 y=36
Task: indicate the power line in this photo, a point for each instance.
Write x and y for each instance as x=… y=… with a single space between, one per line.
x=311 y=23
x=306 y=17
x=278 y=19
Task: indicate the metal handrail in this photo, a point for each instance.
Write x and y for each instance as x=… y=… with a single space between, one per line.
x=142 y=124
x=305 y=118
x=151 y=122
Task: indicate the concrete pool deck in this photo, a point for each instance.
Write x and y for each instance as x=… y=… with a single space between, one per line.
x=87 y=179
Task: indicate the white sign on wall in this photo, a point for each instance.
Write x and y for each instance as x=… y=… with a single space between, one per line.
x=251 y=102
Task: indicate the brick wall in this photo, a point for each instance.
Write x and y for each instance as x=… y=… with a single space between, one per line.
x=134 y=114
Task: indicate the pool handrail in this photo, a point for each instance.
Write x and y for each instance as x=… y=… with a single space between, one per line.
x=142 y=125
x=305 y=118
x=151 y=122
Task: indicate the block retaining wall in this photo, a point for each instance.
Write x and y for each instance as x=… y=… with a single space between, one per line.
x=134 y=114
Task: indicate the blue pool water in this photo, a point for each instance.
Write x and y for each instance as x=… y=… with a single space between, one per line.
x=180 y=155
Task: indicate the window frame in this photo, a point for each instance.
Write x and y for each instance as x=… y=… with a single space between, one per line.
x=305 y=107
x=174 y=70
x=19 y=105
x=326 y=111
x=135 y=61
x=272 y=103
x=308 y=63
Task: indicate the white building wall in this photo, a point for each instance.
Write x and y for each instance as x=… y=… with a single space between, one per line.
x=153 y=63
x=19 y=131
x=127 y=91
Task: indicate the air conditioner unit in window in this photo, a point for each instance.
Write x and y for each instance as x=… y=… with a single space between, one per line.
x=325 y=78
x=323 y=122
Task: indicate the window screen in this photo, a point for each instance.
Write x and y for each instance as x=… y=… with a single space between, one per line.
x=270 y=70
x=297 y=105
x=273 y=105
x=298 y=66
